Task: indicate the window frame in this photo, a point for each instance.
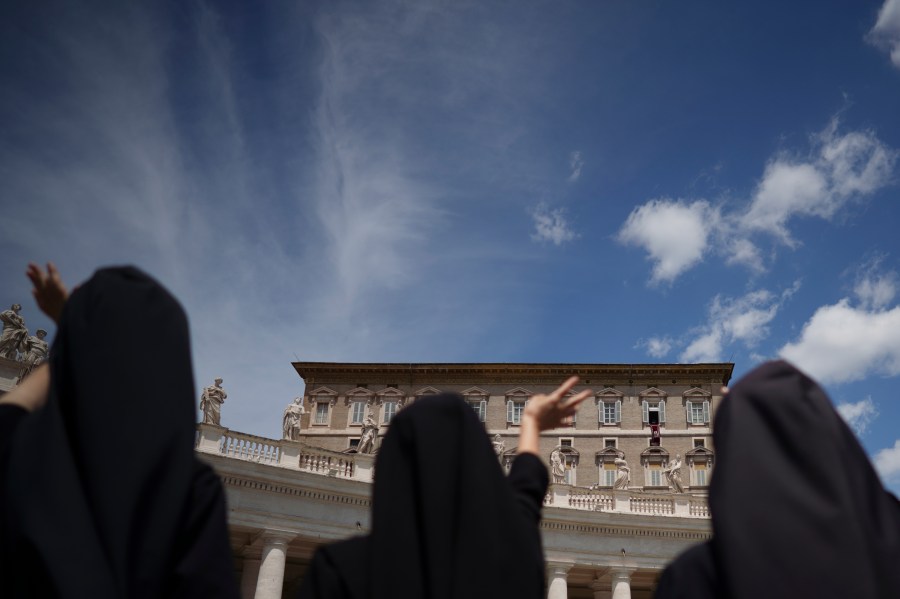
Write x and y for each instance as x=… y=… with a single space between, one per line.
x=327 y=413
x=354 y=407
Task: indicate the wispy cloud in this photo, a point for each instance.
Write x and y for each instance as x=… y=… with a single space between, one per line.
x=859 y=415
x=886 y=32
x=887 y=463
x=551 y=226
x=576 y=162
x=875 y=288
x=743 y=319
x=657 y=347
x=841 y=168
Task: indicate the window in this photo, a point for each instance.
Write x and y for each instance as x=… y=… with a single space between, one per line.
x=610 y=443
x=699 y=471
x=390 y=408
x=354 y=443
x=357 y=412
x=566 y=441
x=697 y=412
x=608 y=474
x=654 y=475
x=611 y=412
x=321 y=412
x=480 y=407
x=649 y=407
x=514 y=410
x=699 y=443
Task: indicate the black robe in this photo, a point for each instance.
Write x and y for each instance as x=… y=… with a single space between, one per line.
x=101 y=494
x=446 y=522
x=797 y=509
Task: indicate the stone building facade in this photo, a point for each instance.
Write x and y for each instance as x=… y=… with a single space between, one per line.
x=613 y=423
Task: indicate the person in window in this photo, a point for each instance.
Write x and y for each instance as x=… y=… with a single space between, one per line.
x=797 y=509
x=100 y=492
x=442 y=508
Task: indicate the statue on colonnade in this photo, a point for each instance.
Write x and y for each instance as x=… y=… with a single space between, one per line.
x=211 y=403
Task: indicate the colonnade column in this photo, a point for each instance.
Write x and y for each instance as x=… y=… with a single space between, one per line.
x=557 y=574
x=249 y=576
x=270 y=580
x=621 y=582
x=600 y=587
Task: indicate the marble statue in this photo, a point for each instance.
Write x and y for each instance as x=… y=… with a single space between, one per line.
x=35 y=350
x=624 y=477
x=290 y=424
x=369 y=434
x=499 y=445
x=14 y=332
x=557 y=468
x=211 y=403
x=673 y=474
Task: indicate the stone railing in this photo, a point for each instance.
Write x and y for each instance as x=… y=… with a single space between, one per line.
x=321 y=461
x=218 y=440
x=631 y=501
x=293 y=455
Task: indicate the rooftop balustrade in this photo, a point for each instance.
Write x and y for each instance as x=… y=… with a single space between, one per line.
x=294 y=455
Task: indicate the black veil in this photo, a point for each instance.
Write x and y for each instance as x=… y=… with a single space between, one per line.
x=104 y=496
x=797 y=509
x=446 y=522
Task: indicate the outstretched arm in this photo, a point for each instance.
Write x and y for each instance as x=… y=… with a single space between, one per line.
x=31 y=393
x=545 y=412
x=49 y=290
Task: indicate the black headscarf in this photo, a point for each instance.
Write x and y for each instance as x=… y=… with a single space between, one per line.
x=446 y=522
x=105 y=497
x=797 y=509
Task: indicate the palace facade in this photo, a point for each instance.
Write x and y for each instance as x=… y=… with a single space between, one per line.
x=601 y=539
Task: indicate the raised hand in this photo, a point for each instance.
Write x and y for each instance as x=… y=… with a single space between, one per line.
x=550 y=411
x=545 y=412
x=49 y=291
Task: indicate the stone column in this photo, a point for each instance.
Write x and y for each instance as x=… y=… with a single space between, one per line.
x=600 y=587
x=249 y=576
x=557 y=585
x=621 y=582
x=271 y=568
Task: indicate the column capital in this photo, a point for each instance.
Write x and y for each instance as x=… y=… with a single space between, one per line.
x=559 y=567
x=270 y=536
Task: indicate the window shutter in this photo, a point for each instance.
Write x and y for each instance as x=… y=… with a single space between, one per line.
x=706 y=412
x=483 y=410
x=645 y=411
x=687 y=411
x=662 y=411
x=509 y=410
x=618 y=411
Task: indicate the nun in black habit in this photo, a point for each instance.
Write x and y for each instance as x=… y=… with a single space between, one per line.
x=101 y=495
x=446 y=522
x=797 y=509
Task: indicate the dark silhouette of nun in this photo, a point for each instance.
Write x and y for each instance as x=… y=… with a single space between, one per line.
x=446 y=522
x=100 y=492
x=797 y=509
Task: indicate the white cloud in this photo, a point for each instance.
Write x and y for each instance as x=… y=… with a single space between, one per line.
x=886 y=32
x=674 y=233
x=873 y=288
x=576 y=162
x=887 y=463
x=551 y=225
x=842 y=343
x=858 y=415
x=744 y=319
x=842 y=168
x=656 y=347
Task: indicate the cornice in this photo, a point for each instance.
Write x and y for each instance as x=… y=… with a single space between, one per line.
x=420 y=373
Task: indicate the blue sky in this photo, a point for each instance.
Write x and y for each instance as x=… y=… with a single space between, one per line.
x=528 y=181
